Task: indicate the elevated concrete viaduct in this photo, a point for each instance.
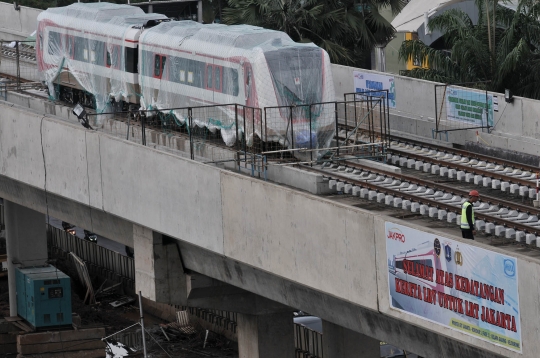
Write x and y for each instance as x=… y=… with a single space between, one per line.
x=218 y=239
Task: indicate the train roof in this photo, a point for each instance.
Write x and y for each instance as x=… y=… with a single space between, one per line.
x=84 y=16
x=186 y=33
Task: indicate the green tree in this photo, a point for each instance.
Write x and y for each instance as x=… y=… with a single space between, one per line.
x=347 y=29
x=507 y=57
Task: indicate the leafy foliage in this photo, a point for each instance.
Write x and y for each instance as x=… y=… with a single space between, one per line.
x=346 y=29
x=513 y=61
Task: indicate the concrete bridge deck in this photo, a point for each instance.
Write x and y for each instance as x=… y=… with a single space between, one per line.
x=289 y=248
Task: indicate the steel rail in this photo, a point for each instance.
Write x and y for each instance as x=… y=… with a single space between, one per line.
x=456 y=151
x=422 y=201
x=471 y=155
x=446 y=188
x=463 y=167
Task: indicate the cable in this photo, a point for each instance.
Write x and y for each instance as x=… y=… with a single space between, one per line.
x=45 y=171
x=500 y=117
x=88 y=181
x=48 y=218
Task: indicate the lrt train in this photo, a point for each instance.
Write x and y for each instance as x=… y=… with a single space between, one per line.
x=101 y=53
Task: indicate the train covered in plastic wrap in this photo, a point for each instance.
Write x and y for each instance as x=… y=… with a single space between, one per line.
x=103 y=54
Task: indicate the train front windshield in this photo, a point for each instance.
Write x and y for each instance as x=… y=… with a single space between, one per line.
x=297 y=75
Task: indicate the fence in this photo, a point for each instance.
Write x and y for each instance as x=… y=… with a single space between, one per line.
x=365 y=118
x=308 y=343
x=18 y=62
x=111 y=265
x=101 y=261
x=205 y=129
x=459 y=108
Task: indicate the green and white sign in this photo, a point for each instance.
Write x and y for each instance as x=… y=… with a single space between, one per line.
x=475 y=108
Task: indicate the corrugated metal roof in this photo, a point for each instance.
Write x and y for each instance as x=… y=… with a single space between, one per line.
x=412 y=16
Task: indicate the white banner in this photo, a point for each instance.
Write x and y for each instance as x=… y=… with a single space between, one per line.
x=372 y=82
x=460 y=286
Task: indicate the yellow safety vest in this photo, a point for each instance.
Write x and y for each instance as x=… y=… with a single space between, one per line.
x=464 y=222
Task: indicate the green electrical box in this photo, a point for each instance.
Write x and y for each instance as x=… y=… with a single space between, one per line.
x=43 y=296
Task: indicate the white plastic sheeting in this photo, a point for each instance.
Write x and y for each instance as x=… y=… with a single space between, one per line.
x=186 y=64
x=93 y=46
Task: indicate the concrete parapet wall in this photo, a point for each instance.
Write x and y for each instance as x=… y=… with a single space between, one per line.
x=516 y=125
x=335 y=250
x=17 y=25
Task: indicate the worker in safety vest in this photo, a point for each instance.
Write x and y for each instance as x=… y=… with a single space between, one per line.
x=467 y=216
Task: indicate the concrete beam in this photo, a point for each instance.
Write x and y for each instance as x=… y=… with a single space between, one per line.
x=81 y=215
x=159 y=274
x=330 y=308
x=209 y=293
x=266 y=336
x=342 y=342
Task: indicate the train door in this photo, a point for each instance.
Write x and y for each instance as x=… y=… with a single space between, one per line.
x=159 y=66
x=248 y=85
x=209 y=83
x=159 y=69
x=218 y=78
x=214 y=82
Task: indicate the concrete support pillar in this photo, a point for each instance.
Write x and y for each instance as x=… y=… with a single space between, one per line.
x=159 y=274
x=266 y=336
x=26 y=243
x=342 y=342
x=199 y=11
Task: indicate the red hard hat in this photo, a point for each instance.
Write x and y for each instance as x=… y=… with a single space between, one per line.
x=474 y=193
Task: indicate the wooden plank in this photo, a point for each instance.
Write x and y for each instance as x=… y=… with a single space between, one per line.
x=61 y=336
x=13 y=318
x=7 y=338
x=57 y=347
x=10 y=348
x=23 y=326
x=93 y=353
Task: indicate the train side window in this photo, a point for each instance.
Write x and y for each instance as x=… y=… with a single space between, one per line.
x=80 y=48
x=235 y=87
x=209 y=72
x=157 y=66
x=399 y=265
x=217 y=78
x=54 y=43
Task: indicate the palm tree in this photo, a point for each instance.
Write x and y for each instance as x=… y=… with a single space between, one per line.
x=346 y=29
x=508 y=57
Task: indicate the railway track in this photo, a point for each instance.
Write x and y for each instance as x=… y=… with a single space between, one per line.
x=497 y=217
x=467 y=167
x=463 y=166
x=26 y=53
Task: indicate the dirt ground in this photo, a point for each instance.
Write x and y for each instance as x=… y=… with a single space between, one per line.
x=116 y=319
